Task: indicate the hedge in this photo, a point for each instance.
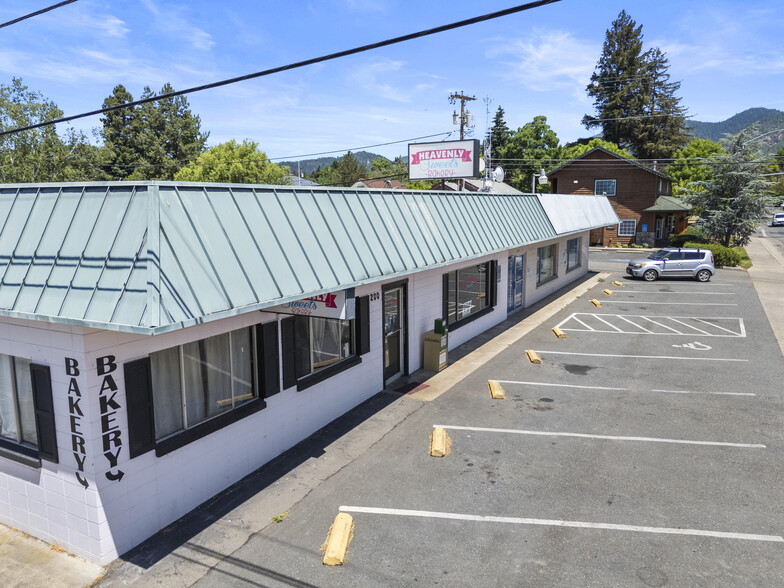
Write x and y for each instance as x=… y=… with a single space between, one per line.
x=722 y=256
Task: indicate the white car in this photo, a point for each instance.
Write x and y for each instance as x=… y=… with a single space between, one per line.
x=778 y=219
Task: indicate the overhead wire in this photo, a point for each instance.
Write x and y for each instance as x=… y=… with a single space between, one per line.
x=296 y=65
x=36 y=13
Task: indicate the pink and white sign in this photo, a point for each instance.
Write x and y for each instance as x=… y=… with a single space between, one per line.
x=337 y=305
x=447 y=160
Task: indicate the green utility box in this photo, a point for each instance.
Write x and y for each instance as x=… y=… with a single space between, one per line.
x=436 y=345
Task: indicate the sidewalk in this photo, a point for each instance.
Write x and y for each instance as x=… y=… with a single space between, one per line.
x=767 y=275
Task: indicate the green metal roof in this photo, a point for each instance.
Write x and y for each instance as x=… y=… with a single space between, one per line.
x=150 y=257
x=669 y=204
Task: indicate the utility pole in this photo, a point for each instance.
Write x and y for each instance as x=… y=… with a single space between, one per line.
x=466 y=119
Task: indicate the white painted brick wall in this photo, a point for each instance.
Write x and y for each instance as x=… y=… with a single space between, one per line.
x=111 y=517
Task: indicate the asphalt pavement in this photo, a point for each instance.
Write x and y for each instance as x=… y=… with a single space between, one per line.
x=233 y=539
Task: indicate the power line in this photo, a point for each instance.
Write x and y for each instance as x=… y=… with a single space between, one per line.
x=274 y=70
x=36 y=13
x=295 y=157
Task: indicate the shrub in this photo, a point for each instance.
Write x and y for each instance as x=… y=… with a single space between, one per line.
x=692 y=235
x=722 y=256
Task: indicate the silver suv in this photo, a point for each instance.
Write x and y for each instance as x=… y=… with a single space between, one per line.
x=667 y=262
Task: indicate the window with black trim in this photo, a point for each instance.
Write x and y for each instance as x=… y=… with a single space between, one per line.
x=573 y=251
x=468 y=291
x=627 y=228
x=315 y=348
x=546 y=267
x=17 y=413
x=200 y=380
x=27 y=425
x=604 y=187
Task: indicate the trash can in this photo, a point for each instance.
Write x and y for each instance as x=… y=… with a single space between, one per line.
x=436 y=345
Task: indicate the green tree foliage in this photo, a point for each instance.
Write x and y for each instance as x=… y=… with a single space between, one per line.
x=636 y=104
x=39 y=155
x=233 y=163
x=151 y=141
x=574 y=151
x=381 y=167
x=499 y=133
x=344 y=171
x=735 y=199
x=532 y=147
x=692 y=164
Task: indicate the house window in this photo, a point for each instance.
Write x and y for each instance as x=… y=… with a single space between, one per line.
x=17 y=413
x=627 y=228
x=321 y=343
x=573 y=247
x=604 y=187
x=468 y=291
x=200 y=380
x=545 y=264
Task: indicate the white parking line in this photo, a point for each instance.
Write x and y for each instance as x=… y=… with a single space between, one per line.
x=602 y=437
x=624 y=291
x=642 y=356
x=668 y=303
x=559 y=523
x=608 y=389
x=686 y=325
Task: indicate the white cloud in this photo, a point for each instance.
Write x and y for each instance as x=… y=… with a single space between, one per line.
x=171 y=19
x=389 y=79
x=546 y=60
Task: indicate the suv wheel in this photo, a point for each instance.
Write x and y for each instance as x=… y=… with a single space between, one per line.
x=650 y=275
x=703 y=275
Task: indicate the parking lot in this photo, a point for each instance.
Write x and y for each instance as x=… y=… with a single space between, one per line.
x=645 y=450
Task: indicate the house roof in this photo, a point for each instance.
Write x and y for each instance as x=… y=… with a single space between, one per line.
x=395 y=184
x=603 y=150
x=476 y=185
x=669 y=204
x=151 y=257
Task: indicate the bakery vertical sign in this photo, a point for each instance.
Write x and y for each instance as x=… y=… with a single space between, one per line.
x=445 y=160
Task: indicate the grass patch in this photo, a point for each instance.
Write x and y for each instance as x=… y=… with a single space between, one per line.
x=745 y=262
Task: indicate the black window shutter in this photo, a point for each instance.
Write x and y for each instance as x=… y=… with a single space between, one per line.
x=268 y=358
x=41 y=379
x=445 y=299
x=493 y=279
x=362 y=324
x=288 y=351
x=138 y=396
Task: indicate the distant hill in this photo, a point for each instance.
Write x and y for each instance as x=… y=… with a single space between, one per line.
x=308 y=166
x=765 y=119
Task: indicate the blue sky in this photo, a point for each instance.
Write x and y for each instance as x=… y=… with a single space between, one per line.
x=729 y=56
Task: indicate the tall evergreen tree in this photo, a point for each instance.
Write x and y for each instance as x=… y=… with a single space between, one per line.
x=532 y=147
x=120 y=130
x=499 y=133
x=151 y=141
x=662 y=130
x=616 y=83
x=636 y=104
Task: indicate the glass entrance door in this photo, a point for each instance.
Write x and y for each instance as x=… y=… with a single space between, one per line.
x=514 y=292
x=394 y=333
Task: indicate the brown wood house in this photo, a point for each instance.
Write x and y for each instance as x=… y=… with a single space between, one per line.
x=641 y=197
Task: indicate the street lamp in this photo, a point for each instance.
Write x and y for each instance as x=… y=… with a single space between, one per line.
x=542 y=180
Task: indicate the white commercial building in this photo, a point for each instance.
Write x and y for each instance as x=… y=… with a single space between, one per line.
x=159 y=341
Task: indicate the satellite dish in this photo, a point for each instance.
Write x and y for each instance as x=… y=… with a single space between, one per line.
x=498 y=174
x=481 y=165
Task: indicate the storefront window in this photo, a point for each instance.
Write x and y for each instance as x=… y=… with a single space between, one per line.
x=17 y=413
x=545 y=264
x=202 y=379
x=573 y=253
x=467 y=291
x=331 y=341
